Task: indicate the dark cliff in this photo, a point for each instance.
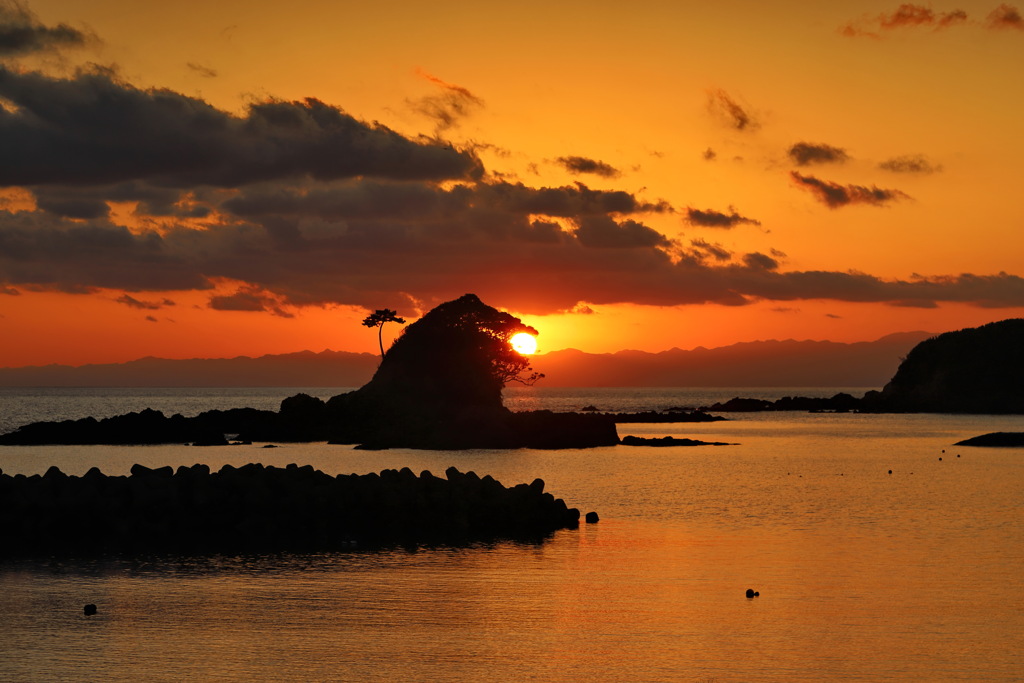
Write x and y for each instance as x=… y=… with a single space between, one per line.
x=975 y=370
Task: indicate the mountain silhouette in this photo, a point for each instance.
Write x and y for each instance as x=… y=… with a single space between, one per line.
x=786 y=363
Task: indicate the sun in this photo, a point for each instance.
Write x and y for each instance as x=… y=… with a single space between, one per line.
x=524 y=343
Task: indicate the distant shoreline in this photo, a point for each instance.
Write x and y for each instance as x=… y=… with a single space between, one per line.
x=750 y=364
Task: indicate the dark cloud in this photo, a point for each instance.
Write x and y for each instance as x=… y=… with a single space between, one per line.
x=905 y=16
x=709 y=154
x=249 y=299
x=1005 y=16
x=94 y=129
x=305 y=205
x=908 y=15
x=701 y=250
x=387 y=262
x=731 y=113
x=584 y=165
x=132 y=302
x=836 y=196
x=427 y=203
x=21 y=33
x=716 y=219
x=807 y=153
x=759 y=261
x=915 y=163
x=448 y=107
x=71 y=203
x=606 y=233
x=92 y=201
x=204 y=71
x=9 y=291
x=69 y=256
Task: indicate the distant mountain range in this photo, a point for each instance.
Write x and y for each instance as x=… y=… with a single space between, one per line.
x=772 y=363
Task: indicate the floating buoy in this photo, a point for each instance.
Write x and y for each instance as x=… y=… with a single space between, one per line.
x=89 y=610
x=751 y=593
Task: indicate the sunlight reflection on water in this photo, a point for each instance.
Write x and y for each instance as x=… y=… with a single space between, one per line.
x=863 y=575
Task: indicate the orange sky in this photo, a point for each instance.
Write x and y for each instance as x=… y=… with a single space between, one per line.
x=667 y=174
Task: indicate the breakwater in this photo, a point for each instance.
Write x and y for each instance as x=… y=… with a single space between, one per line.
x=256 y=508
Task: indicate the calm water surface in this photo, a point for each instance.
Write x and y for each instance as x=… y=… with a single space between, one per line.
x=863 y=575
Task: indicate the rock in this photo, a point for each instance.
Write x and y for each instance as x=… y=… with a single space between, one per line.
x=89 y=610
x=667 y=441
x=751 y=593
x=996 y=440
x=592 y=518
x=257 y=508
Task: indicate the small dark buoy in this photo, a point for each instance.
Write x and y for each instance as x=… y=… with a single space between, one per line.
x=751 y=593
x=890 y=471
x=940 y=459
x=958 y=455
x=592 y=518
x=90 y=610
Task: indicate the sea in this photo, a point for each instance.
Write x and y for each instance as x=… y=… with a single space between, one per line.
x=880 y=551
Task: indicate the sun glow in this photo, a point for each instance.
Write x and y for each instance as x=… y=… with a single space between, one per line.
x=524 y=343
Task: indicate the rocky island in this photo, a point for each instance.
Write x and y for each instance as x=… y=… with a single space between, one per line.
x=438 y=387
x=976 y=370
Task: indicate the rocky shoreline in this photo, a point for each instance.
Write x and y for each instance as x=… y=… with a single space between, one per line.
x=258 y=508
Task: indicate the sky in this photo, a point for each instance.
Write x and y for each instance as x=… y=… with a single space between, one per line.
x=197 y=179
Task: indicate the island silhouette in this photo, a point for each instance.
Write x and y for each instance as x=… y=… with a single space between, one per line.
x=978 y=370
x=440 y=385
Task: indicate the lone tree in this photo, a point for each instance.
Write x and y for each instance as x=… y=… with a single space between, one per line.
x=377 y=319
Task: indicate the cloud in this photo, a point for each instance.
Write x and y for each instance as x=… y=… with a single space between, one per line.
x=393 y=261
x=729 y=112
x=575 y=164
x=914 y=163
x=716 y=219
x=132 y=302
x=709 y=154
x=304 y=205
x=807 y=153
x=606 y=233
x=204 y=71
x=425 y=204
x=1005 y=16
x=21 y=33
x=448 y=107
x=906 y=16
x=249 y=299
x=54 y=253
x=94 y=130
x=836 y=196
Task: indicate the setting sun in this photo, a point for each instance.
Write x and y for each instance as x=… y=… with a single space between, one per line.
x=524 y=343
